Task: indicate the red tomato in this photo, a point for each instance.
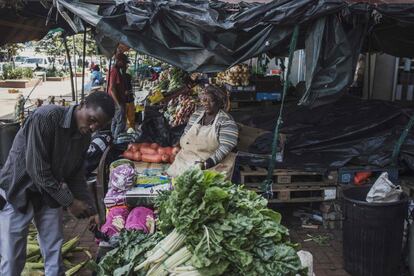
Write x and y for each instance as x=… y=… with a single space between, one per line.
x=165 y=158
x=148 y=151
x=154 y=158
x=135 y=147
x=175 y=150
x=161 y=150
x=128 y=155
x=137 y=156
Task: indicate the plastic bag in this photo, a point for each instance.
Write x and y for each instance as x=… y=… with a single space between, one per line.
x=384 y=190
x=122 y=177
x=114 y=198
x=115 y=221
x=137 y=219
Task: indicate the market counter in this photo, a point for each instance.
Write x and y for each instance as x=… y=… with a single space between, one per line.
x=151 y=179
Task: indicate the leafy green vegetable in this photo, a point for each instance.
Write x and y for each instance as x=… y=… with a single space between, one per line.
x=229 y=229
x=131 y=250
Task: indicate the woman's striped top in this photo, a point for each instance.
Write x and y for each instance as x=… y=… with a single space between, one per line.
x=227 y=131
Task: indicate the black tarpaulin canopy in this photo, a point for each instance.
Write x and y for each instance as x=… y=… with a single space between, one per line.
x=202 y=36
x=207 y=36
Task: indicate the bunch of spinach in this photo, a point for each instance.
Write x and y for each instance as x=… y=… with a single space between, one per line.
x=133 y=245
x=229 y=229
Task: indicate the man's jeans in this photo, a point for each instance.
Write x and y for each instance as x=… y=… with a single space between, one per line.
x=14 y=228
x=119 y=121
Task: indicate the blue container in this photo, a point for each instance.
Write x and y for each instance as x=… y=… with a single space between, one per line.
x=268 y=96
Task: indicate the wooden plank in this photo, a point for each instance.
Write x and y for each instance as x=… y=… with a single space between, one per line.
x=297 y=200
x=301 y=185
x=301 y=194
x=280 y=176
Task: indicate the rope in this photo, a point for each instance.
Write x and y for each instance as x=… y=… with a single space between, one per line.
x=267 y=184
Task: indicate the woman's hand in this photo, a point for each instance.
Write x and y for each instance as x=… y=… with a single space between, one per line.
x=200 y=164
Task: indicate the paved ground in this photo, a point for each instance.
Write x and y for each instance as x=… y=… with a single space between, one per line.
x=327 y=258
x=43 y=91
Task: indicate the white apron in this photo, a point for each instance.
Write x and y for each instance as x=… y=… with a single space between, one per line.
x=198 y=144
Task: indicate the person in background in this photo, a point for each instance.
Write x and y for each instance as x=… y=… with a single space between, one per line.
x=118 y=91
x=130 y=103
x=96 y=76
x=154 y=75
x=42 y=174
x=100 y=141
x=209 y=137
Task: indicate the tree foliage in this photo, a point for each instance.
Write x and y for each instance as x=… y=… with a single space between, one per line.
x=52 y=44
x=11 y=50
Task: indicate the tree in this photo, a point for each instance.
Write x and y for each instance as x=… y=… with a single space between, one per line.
x=9 y=51
x=91 y=48
x=52 y=45
x=14 y=4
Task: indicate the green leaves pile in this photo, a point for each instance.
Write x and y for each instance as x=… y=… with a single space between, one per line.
x=131 y=250
x=229 y=230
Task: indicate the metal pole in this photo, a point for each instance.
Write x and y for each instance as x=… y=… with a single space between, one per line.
x=74 y=61
x=70 y=67
x=369 y=68
x=109 y=75
x=135 y=64
x=83 y=65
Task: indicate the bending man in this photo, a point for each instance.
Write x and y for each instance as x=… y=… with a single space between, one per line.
x=43 y=173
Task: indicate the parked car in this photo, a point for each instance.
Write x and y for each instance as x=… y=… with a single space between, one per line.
x=40 y=63
x=19 y=60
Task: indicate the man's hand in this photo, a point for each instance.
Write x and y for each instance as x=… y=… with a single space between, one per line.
x=94 y=223
x=80 y=209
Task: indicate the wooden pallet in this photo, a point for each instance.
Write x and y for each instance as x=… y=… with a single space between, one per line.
x=301 y=193
x=252 y=177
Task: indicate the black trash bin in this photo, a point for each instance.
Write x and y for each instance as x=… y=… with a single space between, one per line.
x=8 y=130
x=372 y=234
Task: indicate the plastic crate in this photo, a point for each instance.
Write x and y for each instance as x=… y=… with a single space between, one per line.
x=268 y=96
x=268 y=84
x=243 y=96
x=235 y=89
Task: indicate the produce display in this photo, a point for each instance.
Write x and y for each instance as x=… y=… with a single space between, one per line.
x=238 y=75
x=179 y=109
x=170 y=80
x=34 y=262
x=211 y=227
x=152 y=153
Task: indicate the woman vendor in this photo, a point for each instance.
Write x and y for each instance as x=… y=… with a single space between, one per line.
x=209 y=137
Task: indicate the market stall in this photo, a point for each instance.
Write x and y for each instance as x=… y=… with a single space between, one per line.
x=226 y=39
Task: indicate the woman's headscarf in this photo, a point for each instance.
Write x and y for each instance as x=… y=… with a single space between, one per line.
x=218 y=94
